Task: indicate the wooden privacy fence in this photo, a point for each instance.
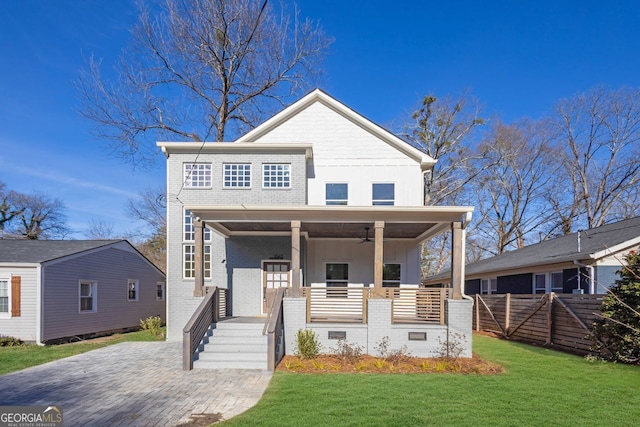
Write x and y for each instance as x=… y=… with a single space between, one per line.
x=559 y=320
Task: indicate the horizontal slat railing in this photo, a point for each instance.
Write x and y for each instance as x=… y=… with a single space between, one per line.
x=417 y=305
x=211 y=309
x=336 y=304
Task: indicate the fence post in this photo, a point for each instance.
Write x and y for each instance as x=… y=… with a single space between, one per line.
x=549 y=317
x=507 y=313
x=477 y=314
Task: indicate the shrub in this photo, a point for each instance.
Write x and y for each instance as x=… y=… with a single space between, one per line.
x=619 y=328
x=154 y=325
x=10 y=341
x=392 y=356
x=308 y=345
x=453 y=347
x=348 y=352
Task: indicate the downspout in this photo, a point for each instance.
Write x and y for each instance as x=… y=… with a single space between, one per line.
x=465 y=221
x=592 y=283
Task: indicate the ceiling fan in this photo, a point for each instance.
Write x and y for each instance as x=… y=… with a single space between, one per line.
x=366 y=236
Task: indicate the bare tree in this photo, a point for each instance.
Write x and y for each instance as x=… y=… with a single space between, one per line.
x=150 y=207
x=41 y=216
x=599 y=134
x=9 y=207
x=100 y=230
x=444 y=129
x=200 y=69
x=512 y=184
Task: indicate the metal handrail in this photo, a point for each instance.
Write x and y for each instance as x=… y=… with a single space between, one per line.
x=273 y=330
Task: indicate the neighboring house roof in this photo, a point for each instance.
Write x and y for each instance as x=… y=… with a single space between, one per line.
x=595 y=244
x=39 y=251
x=317 y=95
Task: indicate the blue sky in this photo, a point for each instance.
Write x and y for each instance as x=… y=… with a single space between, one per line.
x=517 y=57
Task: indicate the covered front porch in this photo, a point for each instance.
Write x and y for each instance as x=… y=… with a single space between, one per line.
x=325 y=242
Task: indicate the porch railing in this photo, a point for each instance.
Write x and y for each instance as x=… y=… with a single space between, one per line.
x=417 y=305
x=211 y=309
x=274 y=330
x=336 y=304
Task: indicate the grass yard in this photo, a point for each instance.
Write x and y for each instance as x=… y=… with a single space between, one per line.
x=16 y=358
x=540 y=388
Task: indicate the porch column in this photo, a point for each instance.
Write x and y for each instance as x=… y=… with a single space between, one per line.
x=457 y=259
x=295 y=258
x=198 y=229
x=378 y=258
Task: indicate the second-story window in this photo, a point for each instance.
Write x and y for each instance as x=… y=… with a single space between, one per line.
x=237 y=175
x=197 y=175
x=383 y=194
x=337 y=194
x=276 y=175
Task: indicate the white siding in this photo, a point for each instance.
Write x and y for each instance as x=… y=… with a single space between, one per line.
x=23 y=327
x=360 y=258
x=110 y=268
x=345 y=152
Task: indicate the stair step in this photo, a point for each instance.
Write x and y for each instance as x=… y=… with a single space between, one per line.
x=221 y=347
x=244 y=357
x=207 y=364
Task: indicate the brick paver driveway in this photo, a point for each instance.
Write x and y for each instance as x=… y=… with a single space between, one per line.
x=133 y=384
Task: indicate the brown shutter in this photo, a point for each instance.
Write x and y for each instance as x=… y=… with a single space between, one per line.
x=15 y=296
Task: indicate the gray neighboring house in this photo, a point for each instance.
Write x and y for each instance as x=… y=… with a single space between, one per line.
x=552 y=265
x=54 y=289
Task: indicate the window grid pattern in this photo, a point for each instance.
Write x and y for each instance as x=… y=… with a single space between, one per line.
x=237 y=175
x=189 y=229
x=4 y=296
x=276 y=176
x=189 y=259
x=197 y=175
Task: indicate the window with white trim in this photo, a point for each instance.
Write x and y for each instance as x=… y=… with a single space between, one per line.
x=88 y=296
x=160 y=291
x=539 y=283
x=383 y=194
x=336 y=193
x=276 y=175
x=489 y=286
x=197 y=175
x=133 y=291
x=391 y=275
x=5 y=297
x=236 y=175
x=557 y=281
x=189 y=257
x=189 y=229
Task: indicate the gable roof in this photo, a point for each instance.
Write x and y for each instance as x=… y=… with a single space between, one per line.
x=595 y=244
x=426 y=162
x=39 y=251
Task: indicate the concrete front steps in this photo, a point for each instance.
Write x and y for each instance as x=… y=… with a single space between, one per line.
x=235 y=343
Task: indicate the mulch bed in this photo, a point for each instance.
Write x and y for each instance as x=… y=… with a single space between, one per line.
x=402 y=365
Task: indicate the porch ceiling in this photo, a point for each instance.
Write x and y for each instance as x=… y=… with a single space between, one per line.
x=333 y=221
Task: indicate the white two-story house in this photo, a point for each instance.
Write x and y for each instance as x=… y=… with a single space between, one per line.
x=312 y=220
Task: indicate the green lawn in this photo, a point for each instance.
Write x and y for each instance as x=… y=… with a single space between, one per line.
x=16 y=358
x=540 y=388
